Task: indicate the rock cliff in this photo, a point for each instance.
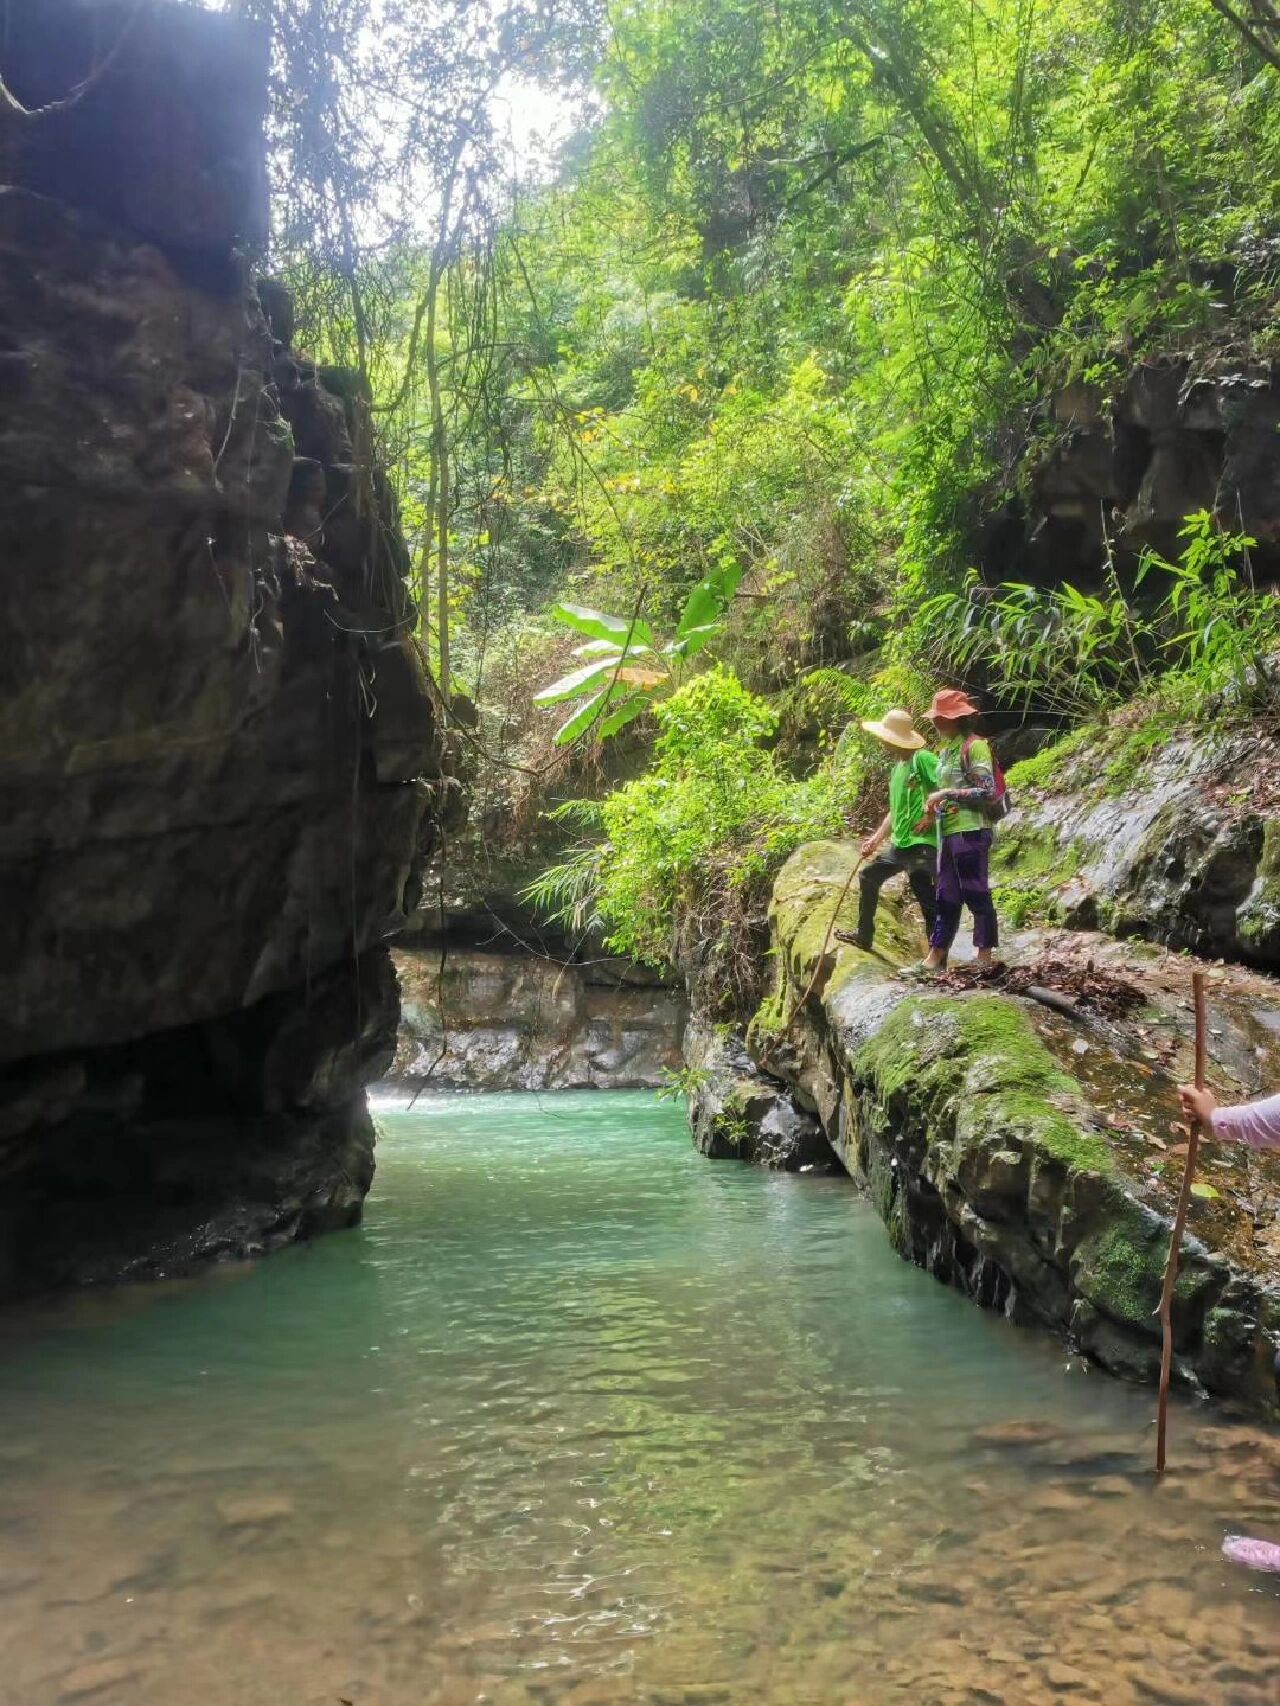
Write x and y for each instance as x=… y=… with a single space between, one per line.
x=218 y=749
x=1110 y=476
x=483 y=1020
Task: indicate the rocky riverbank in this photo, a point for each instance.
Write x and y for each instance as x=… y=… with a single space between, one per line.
x=473 y=1019
x=1031 y=1158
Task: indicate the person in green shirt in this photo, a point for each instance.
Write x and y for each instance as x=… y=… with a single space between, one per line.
x=899 y=843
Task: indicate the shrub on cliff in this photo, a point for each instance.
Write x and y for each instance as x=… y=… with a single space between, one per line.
x=695 y=842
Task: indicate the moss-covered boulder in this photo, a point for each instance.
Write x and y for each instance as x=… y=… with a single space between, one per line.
x=995 y=1158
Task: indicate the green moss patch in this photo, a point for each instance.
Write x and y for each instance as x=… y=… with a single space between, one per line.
x=976 y=1066
x=1051 y=769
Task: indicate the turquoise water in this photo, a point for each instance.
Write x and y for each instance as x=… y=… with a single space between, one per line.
x=578 y=1416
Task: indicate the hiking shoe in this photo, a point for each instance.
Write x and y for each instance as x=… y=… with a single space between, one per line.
x=856 y=939
x=922 y=973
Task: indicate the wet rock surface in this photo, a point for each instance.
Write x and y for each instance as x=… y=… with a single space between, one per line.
x=219 y=753
x=1033 y=1160
x=738 y=1112
x=475 y=1020
x=1179 y=846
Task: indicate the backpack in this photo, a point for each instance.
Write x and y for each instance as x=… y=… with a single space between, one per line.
x=1002 y=803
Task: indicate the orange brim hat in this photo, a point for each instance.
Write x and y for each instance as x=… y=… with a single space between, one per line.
x=952 y=703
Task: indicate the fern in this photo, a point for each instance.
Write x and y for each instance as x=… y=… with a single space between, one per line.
x=831 y=694
x=585 y=815
x=569 y=893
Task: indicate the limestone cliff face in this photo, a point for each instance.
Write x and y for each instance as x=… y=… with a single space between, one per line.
x=482 y=1020
x=1116 y=475
x=218 y=748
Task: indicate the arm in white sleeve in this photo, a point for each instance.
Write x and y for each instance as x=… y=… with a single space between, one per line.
x=1254 y=1123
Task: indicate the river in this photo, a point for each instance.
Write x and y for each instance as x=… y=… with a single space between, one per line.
x=579 y=1417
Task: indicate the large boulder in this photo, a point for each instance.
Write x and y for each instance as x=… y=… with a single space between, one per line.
x=1026 y=1159
x=1151 y=830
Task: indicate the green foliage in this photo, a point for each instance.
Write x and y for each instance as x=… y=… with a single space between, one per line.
x=698 y=837
x=568 y=892
x=1079 y=654
x=683 y=1083
x=629 y=672
x=1224 y=628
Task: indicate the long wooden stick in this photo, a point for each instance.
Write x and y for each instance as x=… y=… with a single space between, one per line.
x=1175 y=1243
x=801 y=1000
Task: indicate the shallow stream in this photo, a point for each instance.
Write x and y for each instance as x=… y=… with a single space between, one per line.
x=578 y=1416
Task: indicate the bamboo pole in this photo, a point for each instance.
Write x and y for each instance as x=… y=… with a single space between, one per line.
x=1165 y=1311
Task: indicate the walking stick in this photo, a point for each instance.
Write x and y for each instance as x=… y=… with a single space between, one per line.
x=1165 y=1311
x=826 y=943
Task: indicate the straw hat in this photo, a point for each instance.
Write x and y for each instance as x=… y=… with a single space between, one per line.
x=895 y=728
x=952 y=703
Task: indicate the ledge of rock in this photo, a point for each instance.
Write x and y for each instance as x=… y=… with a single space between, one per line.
x=219 y=752
x=1179 y=845
x=1028 y=1162
x=738 y=1112
x=477 y=1020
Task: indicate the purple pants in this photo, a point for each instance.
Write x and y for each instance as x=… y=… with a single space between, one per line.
x=962 y=881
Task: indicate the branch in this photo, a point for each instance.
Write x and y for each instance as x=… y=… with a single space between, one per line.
x=1246 y=29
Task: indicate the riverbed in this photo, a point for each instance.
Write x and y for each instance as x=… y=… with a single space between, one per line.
x=580 y=1417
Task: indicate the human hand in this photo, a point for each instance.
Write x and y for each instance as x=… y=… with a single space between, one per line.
x=934 y=804
x=1197 y=1104
x=868 y=847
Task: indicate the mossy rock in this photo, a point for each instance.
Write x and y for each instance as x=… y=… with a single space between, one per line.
x=974 y=1067
x=1258 y=920
x=815 y=895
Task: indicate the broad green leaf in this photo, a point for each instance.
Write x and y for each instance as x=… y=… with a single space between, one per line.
x=693 y=642
x=730 y=579
x=620 y=715
x=600 y=626
x=1206 y=1193
x=703 y=606
x=578 y=681
x=598 y=649
x=582 y=718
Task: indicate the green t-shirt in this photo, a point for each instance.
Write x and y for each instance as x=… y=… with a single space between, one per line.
x=909 y=784
x=955 y=818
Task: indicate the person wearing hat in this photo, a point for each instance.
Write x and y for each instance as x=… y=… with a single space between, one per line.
x=966 y=782
x=900 y=843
